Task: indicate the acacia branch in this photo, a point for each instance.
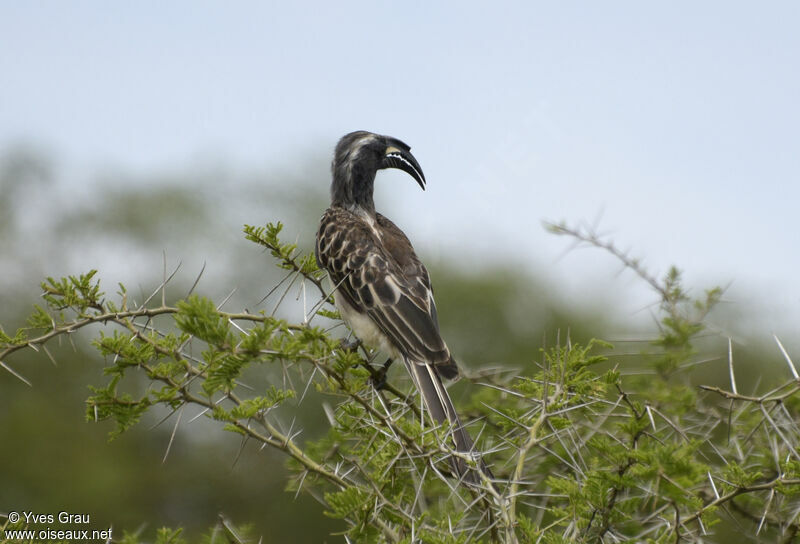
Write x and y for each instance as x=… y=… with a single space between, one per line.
x=722 y=499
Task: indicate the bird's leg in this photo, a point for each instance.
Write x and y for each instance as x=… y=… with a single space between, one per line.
x=379 y=377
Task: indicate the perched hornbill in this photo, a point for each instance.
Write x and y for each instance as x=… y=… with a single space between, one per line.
x=383 y=291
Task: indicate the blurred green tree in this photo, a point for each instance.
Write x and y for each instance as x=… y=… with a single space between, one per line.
x=583 y=453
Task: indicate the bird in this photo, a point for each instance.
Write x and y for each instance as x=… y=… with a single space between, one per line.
x=381 y=288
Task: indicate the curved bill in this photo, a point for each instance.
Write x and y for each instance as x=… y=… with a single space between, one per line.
x=402 y=159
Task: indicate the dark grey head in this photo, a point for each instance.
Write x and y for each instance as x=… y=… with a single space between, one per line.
x=358 y=157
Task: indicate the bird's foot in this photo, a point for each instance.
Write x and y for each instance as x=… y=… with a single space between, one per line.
x=350 y=345
x=379 y=376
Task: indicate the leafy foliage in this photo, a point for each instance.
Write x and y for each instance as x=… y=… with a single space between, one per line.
x=581 y=451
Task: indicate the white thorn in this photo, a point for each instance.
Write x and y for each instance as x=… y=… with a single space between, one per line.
x=650 y=415
x=788 y=359
x=14 y=373
x=714 y=487
x=730 y=366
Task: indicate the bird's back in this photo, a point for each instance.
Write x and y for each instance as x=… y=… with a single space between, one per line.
x=378 y=272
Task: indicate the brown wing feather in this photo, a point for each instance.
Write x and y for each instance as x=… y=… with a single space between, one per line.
x=384 y=278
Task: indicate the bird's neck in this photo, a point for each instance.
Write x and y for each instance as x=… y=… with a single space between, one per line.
x=353 y=190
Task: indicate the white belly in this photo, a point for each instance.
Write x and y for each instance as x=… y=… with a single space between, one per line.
x=364 y=328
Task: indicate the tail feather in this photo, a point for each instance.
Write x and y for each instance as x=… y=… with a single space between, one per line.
x=438 y=403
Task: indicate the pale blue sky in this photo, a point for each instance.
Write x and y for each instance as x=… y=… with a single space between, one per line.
x=678 y=122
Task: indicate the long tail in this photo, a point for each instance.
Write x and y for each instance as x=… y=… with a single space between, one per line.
x=438 y=403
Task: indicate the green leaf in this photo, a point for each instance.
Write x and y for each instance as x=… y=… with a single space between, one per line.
x=199 y=317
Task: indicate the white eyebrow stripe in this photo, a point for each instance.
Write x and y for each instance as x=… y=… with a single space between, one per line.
x=355 y=150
